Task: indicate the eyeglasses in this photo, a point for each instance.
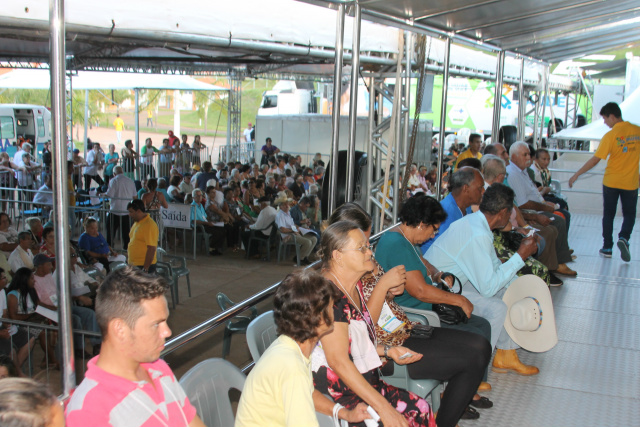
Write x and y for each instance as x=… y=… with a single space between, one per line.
x=362 y=249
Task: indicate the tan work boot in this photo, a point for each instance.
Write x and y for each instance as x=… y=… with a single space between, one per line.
x=564 y=270
x=507 y=360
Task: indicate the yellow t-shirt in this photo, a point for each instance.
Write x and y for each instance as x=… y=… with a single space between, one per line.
x=622 y=145
x=466 y=154
x=72 y=192
x=143 y=233
x=278 y=390
x=119 y=124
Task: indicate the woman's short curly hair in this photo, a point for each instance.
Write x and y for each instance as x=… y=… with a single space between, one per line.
x=421 y=209
x=302 y=302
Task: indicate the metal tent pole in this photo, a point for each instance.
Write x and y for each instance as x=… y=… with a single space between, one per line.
x=407 y=96
x=61 y=201
x=86 y=119
x=353 y=104
x=522 y=103
x=538 y=142
x=497 y=100
x=366 y=185
x=443 y=115
x=335 y=113
x=137 y=121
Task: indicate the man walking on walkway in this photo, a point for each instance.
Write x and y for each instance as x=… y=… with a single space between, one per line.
x=118 y=123
x=622 y=147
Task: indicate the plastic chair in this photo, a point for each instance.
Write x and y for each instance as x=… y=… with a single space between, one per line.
x=202 y=234
x=207 y=385
x=284 y=245
x=178 y=268
x=164 y=269
x=260 y=334
x=238 y=324
x=259 y=237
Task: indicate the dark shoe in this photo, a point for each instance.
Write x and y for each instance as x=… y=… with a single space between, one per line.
x=215 y=252
x=607 y=253
x=305 y=261
x=482 y=403
x=623 y=245
x=470 y=414
x=554 y=280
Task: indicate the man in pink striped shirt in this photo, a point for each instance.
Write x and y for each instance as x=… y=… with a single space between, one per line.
x=127 y=384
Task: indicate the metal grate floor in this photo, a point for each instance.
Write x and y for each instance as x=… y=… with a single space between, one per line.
x=592 y=377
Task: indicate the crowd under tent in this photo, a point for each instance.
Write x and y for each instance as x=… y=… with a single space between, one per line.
x=518 y=40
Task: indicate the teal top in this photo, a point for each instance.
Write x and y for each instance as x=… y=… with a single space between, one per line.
x=393 y=250
x=109 y=168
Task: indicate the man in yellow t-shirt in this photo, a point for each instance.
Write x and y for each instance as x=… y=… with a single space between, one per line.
x=621 y=177
x=475 y=142
x=119 y=125
x=149 y=118
x=143 y=238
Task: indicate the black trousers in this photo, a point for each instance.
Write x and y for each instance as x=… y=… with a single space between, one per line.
x=458 y=357
x=115 y=223
x=87 y=181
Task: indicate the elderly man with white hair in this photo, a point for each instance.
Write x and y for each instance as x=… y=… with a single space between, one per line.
x=121 y=191
x=528 y=197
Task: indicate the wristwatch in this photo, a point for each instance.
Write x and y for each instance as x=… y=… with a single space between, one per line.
x=386 y=349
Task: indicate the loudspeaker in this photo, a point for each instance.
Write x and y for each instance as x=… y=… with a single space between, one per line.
x=359 y=176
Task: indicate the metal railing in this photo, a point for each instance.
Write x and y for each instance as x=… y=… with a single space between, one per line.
x=214 y=322
x=49 y=361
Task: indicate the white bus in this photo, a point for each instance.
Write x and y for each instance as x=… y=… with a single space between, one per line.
x=23 y=120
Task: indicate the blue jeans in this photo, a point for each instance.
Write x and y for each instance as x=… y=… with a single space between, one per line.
x=629 y=201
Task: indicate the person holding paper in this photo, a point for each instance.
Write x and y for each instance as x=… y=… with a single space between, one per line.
x=93 y=243
x=22 y=303
x=287 y=227
x=82 y=318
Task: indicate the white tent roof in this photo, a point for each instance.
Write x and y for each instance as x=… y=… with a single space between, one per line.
x=595 y=131
x=40 y=79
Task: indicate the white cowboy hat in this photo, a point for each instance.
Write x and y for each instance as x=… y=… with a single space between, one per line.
x=530 y=320
x=282 y=197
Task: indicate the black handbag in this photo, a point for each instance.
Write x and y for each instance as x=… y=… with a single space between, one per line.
x=450 y=314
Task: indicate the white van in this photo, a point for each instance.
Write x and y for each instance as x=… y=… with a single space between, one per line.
x=22 y=120
x=288 y=97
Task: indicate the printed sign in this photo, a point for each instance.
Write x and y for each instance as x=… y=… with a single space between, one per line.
x=176 y=216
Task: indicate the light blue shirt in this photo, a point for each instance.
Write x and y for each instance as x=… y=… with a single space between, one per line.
x=466 y=250
x=198 y=214
x=521 y=184
x=453 y=214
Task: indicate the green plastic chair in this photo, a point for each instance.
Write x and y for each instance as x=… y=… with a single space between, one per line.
x=236 y=325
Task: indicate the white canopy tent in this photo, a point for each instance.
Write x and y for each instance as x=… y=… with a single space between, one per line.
x=41 y=79
x=595 y=131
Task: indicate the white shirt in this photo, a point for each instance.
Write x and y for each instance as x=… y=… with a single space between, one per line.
x=284 y=220
x=44 y=196
x=15 y=259
x=93 y=159
x=121 y=190
x=247 y=135
x=186 y=188
x=521 y=184
x=17 y=158
x=266 y=217
x=9 y=236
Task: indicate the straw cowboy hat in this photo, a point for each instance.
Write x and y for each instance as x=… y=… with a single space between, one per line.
x=282 y=198
x=530 y=320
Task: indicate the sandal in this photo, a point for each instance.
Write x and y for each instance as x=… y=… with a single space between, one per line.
x=470 y=414
x=482 y=403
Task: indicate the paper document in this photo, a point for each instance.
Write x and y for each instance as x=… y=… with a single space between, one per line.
x=49 y=314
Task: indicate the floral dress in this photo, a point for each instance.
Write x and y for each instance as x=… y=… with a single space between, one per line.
x=416 y=410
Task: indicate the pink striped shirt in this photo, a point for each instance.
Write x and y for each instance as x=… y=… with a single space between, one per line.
x=104 y=399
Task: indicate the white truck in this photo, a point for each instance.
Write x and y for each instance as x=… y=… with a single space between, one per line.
x=289 y=97
x=23 y=120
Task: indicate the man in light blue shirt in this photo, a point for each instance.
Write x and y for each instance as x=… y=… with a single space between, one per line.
x=466 y=250
x=467 y=187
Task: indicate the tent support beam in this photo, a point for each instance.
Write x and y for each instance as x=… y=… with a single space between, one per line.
x=335 y=109
x=522 y=103
x=497 y=100
x=61 y=201
x=137 y=121
x=353 y=103
x=443 y=115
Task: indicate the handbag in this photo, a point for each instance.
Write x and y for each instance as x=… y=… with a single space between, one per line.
x=450 y=314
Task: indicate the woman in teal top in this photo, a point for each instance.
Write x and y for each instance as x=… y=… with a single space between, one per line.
x=111 y=160
x=420 y=218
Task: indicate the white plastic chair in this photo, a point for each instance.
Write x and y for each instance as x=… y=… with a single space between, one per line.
x=207 y=385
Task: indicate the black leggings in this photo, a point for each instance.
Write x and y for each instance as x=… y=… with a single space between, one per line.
x=457 y=357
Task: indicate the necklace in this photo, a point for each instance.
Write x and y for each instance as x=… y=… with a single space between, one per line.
x=373 y=332
x=412 y=245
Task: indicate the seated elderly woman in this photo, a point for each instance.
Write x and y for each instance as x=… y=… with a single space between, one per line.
x=27 y=403
x=93 y=243
x=278 y=391
x=457 y=357
x=345 y=365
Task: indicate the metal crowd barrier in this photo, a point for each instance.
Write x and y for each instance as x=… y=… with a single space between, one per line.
x=31 y=368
